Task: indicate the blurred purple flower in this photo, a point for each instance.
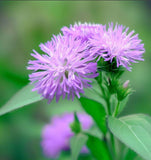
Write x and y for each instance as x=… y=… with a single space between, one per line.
x=63 y=70
x=83 y=31
x=117 y=43
x=57 y=134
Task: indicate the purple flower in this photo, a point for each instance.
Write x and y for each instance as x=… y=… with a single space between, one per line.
x=83 y=31
x=65 y=69
x=57 y=134
x=117 y=43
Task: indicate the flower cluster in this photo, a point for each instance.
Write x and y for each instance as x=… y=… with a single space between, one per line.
x=57 y=134
x=69 y=62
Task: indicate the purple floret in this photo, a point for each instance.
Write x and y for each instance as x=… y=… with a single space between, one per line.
x=117 y=43
x=56 y=135
x=66 y=68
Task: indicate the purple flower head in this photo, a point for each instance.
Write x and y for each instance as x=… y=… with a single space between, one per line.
x=63 y=70
x=117 y=43
x=56 y=135
x=83 y=31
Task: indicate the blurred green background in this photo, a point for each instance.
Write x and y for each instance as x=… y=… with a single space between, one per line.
x=23 y=26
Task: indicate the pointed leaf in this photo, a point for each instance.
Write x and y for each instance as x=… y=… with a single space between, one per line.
x=24 y=97
x=96 y=110
x=76 y=144
x=114 y=101
x=94 y=93
x=123 y=104
x=134 y=131
x=94 y=131
x=131 y=155
x=98 y=148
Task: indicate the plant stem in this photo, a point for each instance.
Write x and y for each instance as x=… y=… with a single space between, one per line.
x=112 y=141
x=106 y=95
x=116 y=109
x=113 y=145
x=108 y=104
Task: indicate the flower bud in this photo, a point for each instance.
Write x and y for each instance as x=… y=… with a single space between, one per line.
x=123 y=90
x=125 y=85
x=75 y=126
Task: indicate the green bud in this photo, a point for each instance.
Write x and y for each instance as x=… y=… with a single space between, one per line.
x=123 y=91
x=75 y=126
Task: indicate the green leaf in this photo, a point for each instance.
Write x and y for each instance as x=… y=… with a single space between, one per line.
x=24 y=97
x=94 y=92
x=98 y=148
x=113 y=102
x=131 y=155
x=134 y=131
x=96 y=110
x=94 y=131
x=76 y=144
x=123 y=104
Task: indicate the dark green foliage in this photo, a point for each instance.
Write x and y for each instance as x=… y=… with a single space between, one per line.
x=98 y=148
x=96 y=110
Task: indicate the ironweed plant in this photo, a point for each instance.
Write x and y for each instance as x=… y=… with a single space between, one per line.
x=73 y=63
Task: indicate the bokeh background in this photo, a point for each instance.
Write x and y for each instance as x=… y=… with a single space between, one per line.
x=23 y=26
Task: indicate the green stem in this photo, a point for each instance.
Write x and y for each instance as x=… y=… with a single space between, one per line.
x=106 y=97
x=102 y=89
x=112 y=141
x=108 y=104
x=115 y=113
x=113 y=145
